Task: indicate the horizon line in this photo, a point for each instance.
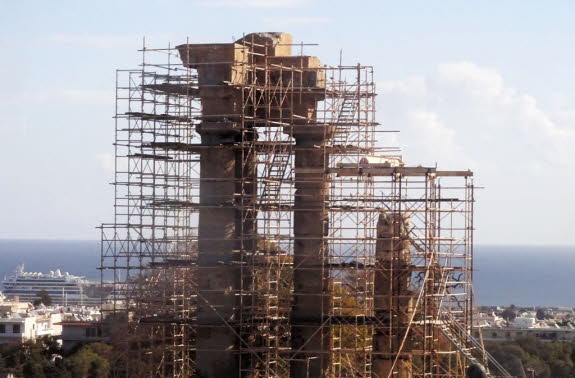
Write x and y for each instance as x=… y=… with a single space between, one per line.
x=476 y=244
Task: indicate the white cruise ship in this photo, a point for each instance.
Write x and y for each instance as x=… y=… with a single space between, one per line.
x=64 y=289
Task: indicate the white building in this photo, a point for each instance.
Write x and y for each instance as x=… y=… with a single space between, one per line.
x=16 y=327
x=481 y=319
x=20 y=321
x=8 y=307
x=523 y=322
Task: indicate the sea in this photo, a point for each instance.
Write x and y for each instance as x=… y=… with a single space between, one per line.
x=504 y=274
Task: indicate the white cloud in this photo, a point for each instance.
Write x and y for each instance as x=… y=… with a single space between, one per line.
x=436 y=139
x=107 y=161
x=464 y=114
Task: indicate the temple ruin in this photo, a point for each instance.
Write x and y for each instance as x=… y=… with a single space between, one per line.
x=264 y=229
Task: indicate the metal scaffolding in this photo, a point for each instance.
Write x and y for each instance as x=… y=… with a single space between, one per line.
x=262 y=231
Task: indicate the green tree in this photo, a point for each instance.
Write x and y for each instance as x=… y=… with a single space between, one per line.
x=540 y=315
x=508 y=314
x=43 y=298
x=546 y=359
x=92 y=361
x=99 y=368
x=33 y=369
x=31 y=358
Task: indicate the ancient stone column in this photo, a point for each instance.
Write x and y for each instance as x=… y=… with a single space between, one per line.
x=311 y=338
x=311 y=301
x=220 y=221
x=392 y=299
x=228 y=191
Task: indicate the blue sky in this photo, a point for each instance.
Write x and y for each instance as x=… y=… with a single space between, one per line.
x=483 y=85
